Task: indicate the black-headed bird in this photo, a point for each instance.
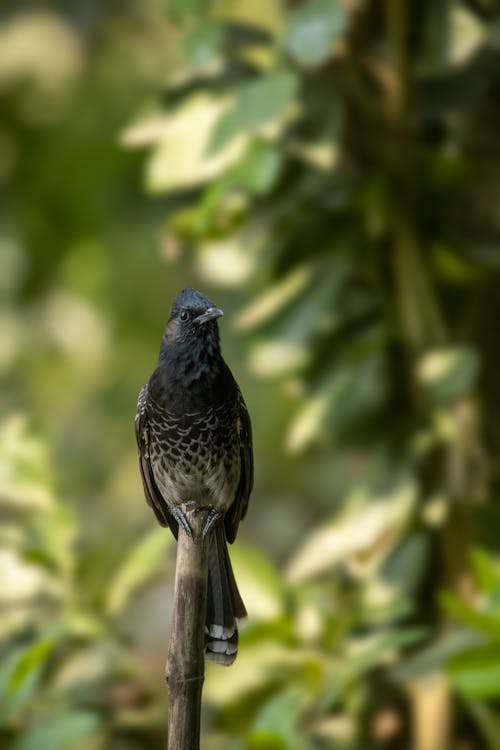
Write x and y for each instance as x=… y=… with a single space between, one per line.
x=195 y=447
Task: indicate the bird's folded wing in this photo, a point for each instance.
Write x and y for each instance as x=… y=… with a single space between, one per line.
x=239 y=507
x=153 y=494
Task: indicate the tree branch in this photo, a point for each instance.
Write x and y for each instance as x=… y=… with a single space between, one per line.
x=185 y=670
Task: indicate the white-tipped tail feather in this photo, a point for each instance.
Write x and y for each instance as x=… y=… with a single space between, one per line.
x=225 y=608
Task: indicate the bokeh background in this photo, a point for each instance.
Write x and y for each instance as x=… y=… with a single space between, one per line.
x=327 y=171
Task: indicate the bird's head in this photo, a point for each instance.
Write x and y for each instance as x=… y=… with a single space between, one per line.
x=193 y=319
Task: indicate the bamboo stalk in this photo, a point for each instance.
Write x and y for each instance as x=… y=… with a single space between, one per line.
x=185 y=669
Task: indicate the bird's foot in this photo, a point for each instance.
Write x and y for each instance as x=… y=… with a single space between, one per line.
x=179 y=512
x=213 y=515
x=182 y=512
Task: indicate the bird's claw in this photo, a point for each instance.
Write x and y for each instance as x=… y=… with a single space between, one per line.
x=212 y=516
x=179 y=512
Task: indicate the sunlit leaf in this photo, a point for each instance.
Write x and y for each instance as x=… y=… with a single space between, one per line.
x=257 y=103
x=259 y=583
x=273 y=300
x=259 y=14
x=20 y=580
x=313 y=29
x=368 y=519
x=467 y=34
x=337 y=729
x=231 y=261
x=448 y=373
x=180 y=159
x=76 y=328
x=278 y=356
x=83 y=625
x=261 y=57
x=260 y=664
x=25 y=477
x=144 y=561
x=309 y=422
x=319 y=155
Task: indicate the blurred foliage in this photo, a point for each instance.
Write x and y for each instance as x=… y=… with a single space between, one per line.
x=329 y=172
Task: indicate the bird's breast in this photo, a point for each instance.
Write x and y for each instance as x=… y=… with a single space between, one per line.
x=195 y=455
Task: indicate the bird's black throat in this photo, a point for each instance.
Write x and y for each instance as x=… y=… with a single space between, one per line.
x=191 y=371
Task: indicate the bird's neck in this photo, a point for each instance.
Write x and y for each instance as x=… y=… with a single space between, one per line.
x=190 y=362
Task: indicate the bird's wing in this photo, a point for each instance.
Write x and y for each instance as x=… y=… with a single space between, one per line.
x=153 y=494
x=239 y=507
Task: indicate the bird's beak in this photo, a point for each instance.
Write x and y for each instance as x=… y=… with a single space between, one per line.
x=211 y=314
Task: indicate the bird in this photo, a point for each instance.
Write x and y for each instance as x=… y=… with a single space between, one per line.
x=194 y=439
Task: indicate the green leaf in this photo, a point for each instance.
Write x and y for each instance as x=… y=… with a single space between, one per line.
x=476 y=672
x=20 y=675
x=144 y=561
x=259 y=168
x=406 y=563
x=202 y=42
x=62 y=733
x=313 y=30
x=357 y=391
x=485 y=569
x=365 y=656
x=464 y=613
x=257 y=103
x=432 y=658
x=275 y=725
x=448 y=372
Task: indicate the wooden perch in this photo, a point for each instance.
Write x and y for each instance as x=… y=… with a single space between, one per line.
x=185 y=670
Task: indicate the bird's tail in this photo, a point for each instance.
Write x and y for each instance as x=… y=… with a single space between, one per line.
x=225 y=607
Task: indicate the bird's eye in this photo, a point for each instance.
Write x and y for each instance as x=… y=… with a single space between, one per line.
x=184 y=315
